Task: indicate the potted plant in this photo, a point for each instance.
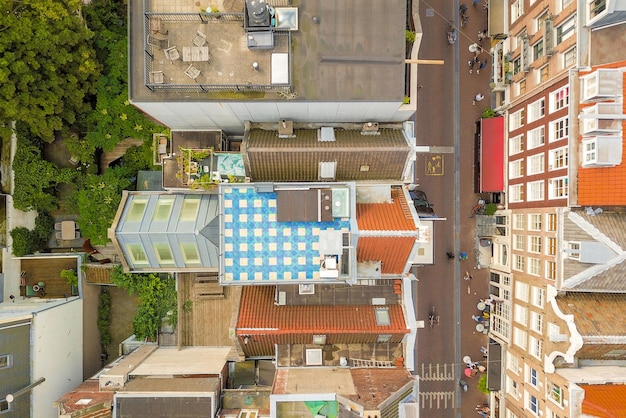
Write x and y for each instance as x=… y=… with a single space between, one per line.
x=71 y=278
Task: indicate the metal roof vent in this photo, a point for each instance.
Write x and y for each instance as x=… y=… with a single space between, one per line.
x=326 y=134
x=285 y=129
x=370 y=128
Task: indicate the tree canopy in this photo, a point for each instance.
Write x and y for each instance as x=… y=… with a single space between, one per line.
x=48 y=67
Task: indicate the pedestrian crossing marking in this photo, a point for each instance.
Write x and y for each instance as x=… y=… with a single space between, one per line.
x=440 y=400
x=437 y=372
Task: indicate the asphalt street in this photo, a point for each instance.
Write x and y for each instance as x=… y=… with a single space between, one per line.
x=445 y=121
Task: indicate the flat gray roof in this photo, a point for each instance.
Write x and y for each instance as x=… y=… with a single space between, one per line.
x=351 y=51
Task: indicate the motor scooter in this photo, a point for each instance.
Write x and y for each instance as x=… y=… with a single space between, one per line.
x=463 y=385
x=452 y=34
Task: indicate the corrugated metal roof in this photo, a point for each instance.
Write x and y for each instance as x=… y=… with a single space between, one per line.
x=358 y=157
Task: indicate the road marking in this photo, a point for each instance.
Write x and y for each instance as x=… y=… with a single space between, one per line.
x=436 y=399
x=433 y=372
x=434 y=165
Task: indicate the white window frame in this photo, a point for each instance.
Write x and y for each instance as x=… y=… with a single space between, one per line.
x=536 y=322
x=550 y=270
x=536 y=110
x=522 y=291
x=518 y=262
x=538 y=49
x=520 y=315
x=534 y=222
x=573 y=250
x=590 y=152
x=519 y=242
x=516 y=120
x=558 y=188
x=536 y=137
x=569 y=57
x=539 y=296
x=536 y=191
x=559 y=130
x=567 y=29
x=535 y=244
x=558 y=158
x=140 y=259
x=556 y=394
x=516 y=144
x=512 y=363
x=559 y=99
x=512 y=388
x=535 y=164
x=516 y=193
x=517 y=10
x=534 y=266
x=520 y=338
x=519 y=221
x=532 y=377
x=535 y=346
x=516 y=169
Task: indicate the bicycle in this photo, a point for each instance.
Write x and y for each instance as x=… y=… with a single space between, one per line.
x=433 y=318
x=463 y=13
x=477 y=209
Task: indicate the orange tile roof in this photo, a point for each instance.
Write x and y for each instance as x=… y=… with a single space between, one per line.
x=259 y=315
x=605 y=185
x=605 y=401
x=392 y=251
x=385 y=216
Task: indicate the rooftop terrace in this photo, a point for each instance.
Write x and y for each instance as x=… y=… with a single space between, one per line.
x=330 y=55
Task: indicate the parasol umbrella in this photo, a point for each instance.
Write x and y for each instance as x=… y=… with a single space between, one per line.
x=469 y=372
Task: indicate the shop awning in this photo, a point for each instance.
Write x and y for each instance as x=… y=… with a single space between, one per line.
x=492 y=155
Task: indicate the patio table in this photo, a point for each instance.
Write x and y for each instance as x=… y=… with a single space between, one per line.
x=68 y=230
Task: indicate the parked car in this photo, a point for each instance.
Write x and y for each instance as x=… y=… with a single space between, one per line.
x=419 y=198
x=422 y=205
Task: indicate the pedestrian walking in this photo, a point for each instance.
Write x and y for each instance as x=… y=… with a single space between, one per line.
x=450 y=255
x=471 y=64
x=482 y=35
x=478 y=98
x=467 y=276
x=483 y=65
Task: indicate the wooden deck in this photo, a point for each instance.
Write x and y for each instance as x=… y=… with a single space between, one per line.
x=47 y=271
x=212 y=313
x=120 y=149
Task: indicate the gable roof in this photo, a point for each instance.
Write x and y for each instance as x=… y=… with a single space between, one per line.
x=259 y=315
x=598 y=186
x=297 y=158
x=390 y=242
x=604 y=401
x=607 y=233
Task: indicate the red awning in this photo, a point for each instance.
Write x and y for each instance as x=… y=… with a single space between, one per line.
x=492 y=155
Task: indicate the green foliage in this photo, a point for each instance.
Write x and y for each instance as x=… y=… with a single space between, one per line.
x=488 y=113
x=98 y=202
x=25 y=241
x=490 y=209
x=44 y=226
x=104 y=318
x=70 y=276
x=48 y=67
x=482 y=384
x=410 y=36
x=188 y=306
x=113 y=118
x=157 y=297
x=139 y=158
